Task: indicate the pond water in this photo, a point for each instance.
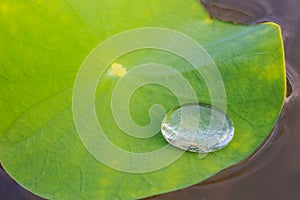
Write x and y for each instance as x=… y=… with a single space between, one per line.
x=273 y=171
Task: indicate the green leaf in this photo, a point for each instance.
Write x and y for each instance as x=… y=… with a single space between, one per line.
x=43 y=46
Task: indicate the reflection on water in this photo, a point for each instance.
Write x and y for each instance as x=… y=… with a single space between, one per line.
x=289 y=88
x=273 y=171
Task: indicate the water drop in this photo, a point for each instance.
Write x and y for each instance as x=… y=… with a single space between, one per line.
x=197 y=128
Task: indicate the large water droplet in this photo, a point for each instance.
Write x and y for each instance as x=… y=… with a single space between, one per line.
x=197 y=128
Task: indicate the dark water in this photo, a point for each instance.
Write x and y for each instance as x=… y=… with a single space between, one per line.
x=273 y=171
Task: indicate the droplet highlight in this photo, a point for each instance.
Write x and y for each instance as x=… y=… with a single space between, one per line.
x=197 y=128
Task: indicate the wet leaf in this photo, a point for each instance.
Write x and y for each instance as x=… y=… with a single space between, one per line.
x=43 y=46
